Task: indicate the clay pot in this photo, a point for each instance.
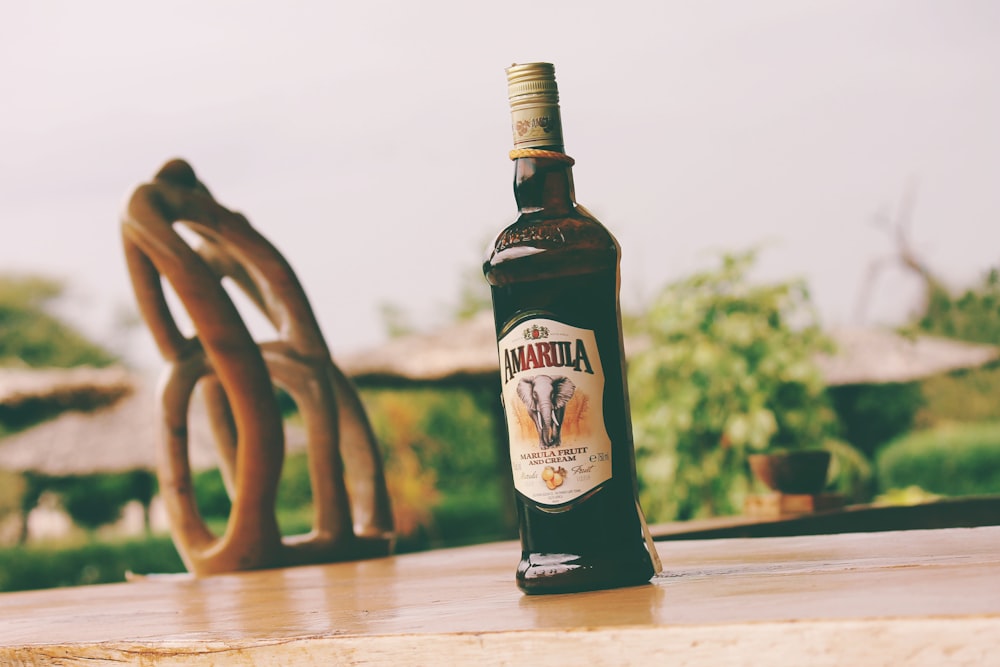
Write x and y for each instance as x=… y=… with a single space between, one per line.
x=792 y=472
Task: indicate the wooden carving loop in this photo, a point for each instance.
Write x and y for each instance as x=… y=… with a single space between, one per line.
x=352 y=517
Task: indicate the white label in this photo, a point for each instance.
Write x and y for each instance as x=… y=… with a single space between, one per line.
x=536 y=125
x=553 y=394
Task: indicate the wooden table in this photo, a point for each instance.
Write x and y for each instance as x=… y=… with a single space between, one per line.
x=923 y=597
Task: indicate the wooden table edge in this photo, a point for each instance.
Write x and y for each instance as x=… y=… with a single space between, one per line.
x=952 y=640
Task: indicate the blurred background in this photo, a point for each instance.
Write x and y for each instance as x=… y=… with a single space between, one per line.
x=369 y=140
x=839 y=157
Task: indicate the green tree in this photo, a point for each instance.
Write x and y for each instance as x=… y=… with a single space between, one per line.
x=98 y=499
x=723 y=368
x=973 y=315
x=32 y=487
x=30 y=335
x=92 y=501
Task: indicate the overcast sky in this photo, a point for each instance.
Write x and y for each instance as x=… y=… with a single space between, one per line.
x=368 y=140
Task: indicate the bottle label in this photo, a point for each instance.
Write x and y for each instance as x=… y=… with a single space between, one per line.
x=536 y=125
x=553 y=395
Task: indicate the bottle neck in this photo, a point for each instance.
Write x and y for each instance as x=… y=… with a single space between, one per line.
x=544 y=185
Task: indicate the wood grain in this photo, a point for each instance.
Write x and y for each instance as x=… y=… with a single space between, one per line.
x=238 y=376
x=913 y=597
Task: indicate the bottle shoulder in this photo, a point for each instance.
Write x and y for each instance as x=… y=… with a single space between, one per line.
x=539 y=237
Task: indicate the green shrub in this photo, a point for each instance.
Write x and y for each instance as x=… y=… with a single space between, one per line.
x=726 y=370
x=953 y=460
x=963 y=396
x=851 y=472
x=973 y=315
x=294 y=490
x=439 y=449
x=90 y=500
x=437 y=444
x=873 y=414
x=294 y=487
x=472 y=515
x=26 y=568
x=210 y=494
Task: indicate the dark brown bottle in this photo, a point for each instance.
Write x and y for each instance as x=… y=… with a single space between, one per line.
x=554 y=276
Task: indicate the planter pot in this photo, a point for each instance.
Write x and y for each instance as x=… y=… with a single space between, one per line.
x=798 y=472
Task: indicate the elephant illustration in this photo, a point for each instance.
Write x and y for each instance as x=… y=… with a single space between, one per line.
x=546 y=398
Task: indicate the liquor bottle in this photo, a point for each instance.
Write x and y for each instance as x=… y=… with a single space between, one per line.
x=554 y=277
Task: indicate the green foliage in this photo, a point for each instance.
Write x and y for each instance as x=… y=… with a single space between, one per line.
x=873 y=414
x=974 y=315
x=90 y=500
x=34 y=486
x=93 y=500
x=851 y=471
x=440 y=457
x=466 y=451
x=29 y=335
x=210 y=494
x=953 y=460
x=91 y=503
x=13 y=487
x=911 y=495
x=469 y=515
x=294 y=487
x=967 y=396
x=294 y=490
x=294 y=493
x=724 y=368
x=25 y=568
x=440 y=452
x=140 y=485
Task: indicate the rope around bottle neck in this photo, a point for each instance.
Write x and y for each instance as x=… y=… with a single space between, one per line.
x=535 y=152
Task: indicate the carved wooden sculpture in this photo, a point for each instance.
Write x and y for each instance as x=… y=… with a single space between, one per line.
x=352 y=517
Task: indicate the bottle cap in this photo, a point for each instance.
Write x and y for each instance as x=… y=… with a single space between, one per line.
x=534 y=106
x=537 y=80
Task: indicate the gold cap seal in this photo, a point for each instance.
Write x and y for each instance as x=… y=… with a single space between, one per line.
x=537 y=80
x=534 y=106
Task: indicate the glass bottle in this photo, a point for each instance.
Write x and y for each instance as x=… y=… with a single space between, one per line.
x=554 y=277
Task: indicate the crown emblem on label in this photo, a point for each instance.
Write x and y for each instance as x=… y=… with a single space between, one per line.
x=534 y=332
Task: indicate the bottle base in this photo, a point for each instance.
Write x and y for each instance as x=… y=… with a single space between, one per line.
x=544 y=573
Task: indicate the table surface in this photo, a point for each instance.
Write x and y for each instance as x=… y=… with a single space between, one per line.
x=908 y=597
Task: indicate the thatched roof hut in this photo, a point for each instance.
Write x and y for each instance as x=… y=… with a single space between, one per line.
x=466 y=352
x=62 y=388
x=111 y=423
x=114 y=438
x=879 y=356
